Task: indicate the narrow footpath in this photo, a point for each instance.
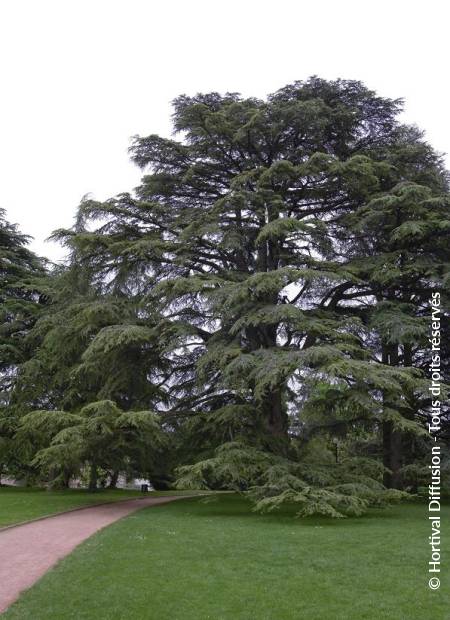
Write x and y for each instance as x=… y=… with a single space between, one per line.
x=28 y=551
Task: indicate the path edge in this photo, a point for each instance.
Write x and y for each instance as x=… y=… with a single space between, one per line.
x=117 y=501
x=169 y=498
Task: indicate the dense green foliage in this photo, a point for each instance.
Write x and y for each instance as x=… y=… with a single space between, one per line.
x=100 y=434
x=23 y=286
x=21 y=273
x=263 y=296
x=190 y=560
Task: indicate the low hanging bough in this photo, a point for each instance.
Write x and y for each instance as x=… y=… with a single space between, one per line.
x=334 y=490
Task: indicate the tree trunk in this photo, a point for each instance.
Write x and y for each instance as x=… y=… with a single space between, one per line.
x=409 y=441
x=113 y=480
x=392 y=456
x=67 y=475
x=93 y=477
x=392 y=439
x=275 y=415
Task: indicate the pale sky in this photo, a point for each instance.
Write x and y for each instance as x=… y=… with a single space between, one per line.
x=79 y=78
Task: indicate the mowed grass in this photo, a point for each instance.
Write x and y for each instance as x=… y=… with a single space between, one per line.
x=18 y=504
x=192 y=560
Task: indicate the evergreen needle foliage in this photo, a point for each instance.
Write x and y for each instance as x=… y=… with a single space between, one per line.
x=266 y=292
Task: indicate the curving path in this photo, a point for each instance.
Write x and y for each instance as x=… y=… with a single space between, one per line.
x=27 y=551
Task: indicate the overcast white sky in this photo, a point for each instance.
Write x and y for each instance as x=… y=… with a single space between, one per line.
x=78 y=78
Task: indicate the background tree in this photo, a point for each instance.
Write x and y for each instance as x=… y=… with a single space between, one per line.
x=23 y=296
x=90 y=345
x=100 y=435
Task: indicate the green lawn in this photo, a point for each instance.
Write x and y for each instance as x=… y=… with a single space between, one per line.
x=192 y=560
x=19 y=504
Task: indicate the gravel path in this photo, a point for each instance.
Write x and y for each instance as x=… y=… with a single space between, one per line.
x=29 y=550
